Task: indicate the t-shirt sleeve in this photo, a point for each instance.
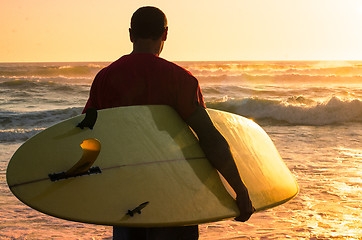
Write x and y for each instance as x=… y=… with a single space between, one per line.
x=92 y=101
x=189 y=96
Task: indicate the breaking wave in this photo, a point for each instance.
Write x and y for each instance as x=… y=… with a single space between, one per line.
x=19 y=126
x=294 y=111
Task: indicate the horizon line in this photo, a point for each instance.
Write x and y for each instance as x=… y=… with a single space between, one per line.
x=246 y=60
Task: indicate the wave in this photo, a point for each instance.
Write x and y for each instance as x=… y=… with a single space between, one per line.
x=309 y=68
x=209 y=77
x=294 y=111
x=313 y=67
x=50 y=69
x=279 y=72
x=19 y=126
x=37 y=118
x=18 y=135
x=48 y=85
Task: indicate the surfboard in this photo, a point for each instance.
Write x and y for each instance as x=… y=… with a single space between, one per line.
x=142 y=166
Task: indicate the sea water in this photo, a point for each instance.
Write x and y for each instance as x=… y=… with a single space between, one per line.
x=311 y=110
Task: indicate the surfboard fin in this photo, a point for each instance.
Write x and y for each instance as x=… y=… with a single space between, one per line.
x=91 y=148
x=137 y=209
x=62 y=175
x=89 y=119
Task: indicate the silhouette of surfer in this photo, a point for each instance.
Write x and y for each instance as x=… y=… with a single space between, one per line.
x=143 y=78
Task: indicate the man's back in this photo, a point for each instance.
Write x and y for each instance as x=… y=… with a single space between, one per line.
x=145 y=79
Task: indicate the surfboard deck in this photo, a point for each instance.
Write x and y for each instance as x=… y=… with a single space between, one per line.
x=149 y=170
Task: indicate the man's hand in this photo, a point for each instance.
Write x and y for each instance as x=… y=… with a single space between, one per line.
x=217 y=151
x=245 y=206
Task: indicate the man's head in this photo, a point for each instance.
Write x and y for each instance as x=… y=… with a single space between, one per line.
x=148 y=23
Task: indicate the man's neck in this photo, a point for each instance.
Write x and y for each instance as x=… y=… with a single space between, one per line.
x=148 y=46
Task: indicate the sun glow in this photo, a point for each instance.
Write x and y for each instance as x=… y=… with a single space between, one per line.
x=41 y=30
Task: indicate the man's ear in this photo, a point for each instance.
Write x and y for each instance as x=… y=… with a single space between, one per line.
x=164 y=35
x=131 y=35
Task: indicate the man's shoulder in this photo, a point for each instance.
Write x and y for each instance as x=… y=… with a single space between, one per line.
x=177 y=69
x=141 y=60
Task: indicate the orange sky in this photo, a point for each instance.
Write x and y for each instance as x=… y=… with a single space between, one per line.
x=90 y=30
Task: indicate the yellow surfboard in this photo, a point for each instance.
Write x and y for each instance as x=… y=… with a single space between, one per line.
x=142 y=166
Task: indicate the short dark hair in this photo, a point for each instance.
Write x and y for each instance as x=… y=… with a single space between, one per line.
x=148 y=23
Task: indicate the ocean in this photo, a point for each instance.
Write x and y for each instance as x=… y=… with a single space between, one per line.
x=312 y=110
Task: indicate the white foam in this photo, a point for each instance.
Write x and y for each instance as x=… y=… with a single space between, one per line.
x=19 y=126
x=333 y=111
x=18 y=135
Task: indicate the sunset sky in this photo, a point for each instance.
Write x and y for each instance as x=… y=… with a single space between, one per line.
x=89 y=30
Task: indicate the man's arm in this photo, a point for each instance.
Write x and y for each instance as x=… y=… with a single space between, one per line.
x=218 y=152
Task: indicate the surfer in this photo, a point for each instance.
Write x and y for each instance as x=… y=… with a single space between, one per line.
x=143 y=78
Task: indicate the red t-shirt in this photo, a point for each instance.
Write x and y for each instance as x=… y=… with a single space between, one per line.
x=145 y=79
